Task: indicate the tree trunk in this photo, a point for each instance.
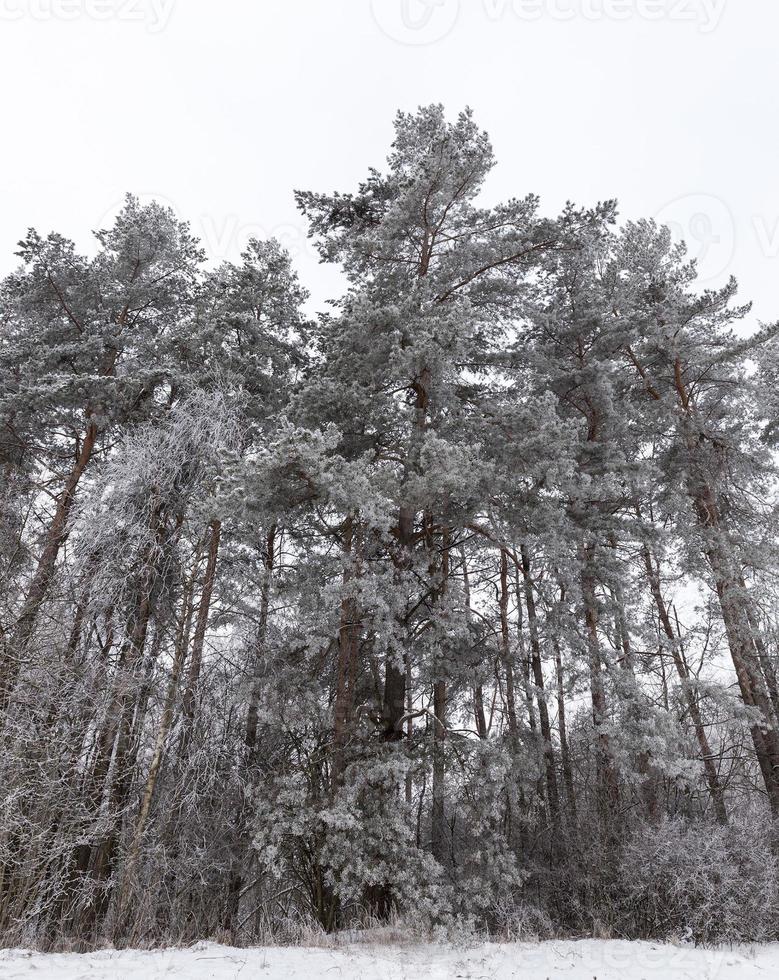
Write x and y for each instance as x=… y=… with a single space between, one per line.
x=109 y=784
x=240 y=857
x=505 y=651
x=565 y=755
x=258 y=669
x=478 y=692
x=734 y=604
x=707 y=757
x=41 y=580
x=196 y=660
x=608 y=786
x=438 y=814
x=348 y=655
x=769 y=671
x=115 y=741
x=395 y=667
x=734 y=608
x=163 y=730
x=538 y=679
x=396 y=662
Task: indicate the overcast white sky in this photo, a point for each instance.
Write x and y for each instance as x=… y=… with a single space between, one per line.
x=222 y=108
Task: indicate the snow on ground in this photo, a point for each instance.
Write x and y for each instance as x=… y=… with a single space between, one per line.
x=590 y=959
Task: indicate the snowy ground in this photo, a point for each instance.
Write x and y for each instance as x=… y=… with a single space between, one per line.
x=585 y=960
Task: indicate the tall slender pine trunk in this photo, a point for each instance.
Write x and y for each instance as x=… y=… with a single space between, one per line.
x=552 y=793
x=707 y=757
x=347 y=655
x=438 y=816
x=608 y=785
x=44 y=571
x=189 y=698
